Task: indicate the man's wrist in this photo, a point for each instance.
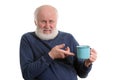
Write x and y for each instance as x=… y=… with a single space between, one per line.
x=50 y=54
x=87 y=63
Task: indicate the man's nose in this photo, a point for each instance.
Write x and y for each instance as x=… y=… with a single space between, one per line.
x=47 y=25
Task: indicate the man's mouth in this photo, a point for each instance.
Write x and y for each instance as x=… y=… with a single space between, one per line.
x=47 y=31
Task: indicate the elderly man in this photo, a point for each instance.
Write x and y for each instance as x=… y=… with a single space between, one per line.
x=50 y=54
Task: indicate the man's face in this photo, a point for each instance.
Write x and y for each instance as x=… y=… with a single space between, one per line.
x=46 y=21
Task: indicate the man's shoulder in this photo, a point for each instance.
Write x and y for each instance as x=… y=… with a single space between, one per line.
x=27 y=35
x=62 y=33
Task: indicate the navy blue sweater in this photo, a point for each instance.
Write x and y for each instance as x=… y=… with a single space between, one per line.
x=36 y=64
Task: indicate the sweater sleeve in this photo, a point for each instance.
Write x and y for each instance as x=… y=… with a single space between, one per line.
x=31 y=68
x=81 y=69
x=79 y=65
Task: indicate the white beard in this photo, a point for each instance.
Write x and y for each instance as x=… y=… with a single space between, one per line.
x=43 y=36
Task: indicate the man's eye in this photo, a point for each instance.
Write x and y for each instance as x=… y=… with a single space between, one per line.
x=43 y=21
x=51 y=21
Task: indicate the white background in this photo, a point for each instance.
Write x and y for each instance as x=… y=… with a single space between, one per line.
x=92 y=22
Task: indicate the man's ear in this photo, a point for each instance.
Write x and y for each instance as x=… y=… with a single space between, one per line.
x=35 y=22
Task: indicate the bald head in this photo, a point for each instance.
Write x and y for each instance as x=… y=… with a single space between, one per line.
x=45 y=9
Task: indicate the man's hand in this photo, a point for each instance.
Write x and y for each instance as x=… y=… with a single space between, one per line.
x=58 y=52
x=93 y=57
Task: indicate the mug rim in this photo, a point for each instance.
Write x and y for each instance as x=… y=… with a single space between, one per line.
x=83 y=46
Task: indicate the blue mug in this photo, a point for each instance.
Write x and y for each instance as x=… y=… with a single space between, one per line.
x=83 y=52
